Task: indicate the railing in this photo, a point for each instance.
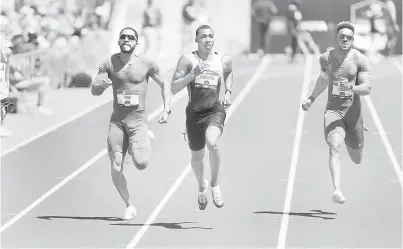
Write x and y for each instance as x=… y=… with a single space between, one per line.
x=61 y=64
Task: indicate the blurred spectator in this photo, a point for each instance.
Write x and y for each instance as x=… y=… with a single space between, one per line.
x=37 y=83
x=152 y=20
x=189 y=18
x=294 y=18
x=392 y=28
x=262 y=12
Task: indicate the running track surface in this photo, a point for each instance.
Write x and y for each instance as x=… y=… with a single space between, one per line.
x=261 y=140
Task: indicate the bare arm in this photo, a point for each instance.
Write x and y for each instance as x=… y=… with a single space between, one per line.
x=165 y=89
x=364 y=86
x=228 y=73
x=322 y=82
x=98 y=86
x=181 y=78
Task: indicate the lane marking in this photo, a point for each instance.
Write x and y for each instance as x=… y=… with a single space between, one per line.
x=56 y=127
x=294 y=159
x=384 y=138
x=259 y=71
x=397 y=64
x=87 y=165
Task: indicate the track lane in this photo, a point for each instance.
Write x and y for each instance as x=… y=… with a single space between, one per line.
x=88 y=222
x=255 y=164
x=372 y=216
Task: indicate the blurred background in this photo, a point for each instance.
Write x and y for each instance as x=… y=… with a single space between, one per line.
x=58 y=44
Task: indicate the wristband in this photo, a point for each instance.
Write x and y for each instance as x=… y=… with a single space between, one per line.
x=226 y=90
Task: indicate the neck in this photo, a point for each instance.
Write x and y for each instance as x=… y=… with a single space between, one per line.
x=204 y=55
x=343 y=53
x=126 y=56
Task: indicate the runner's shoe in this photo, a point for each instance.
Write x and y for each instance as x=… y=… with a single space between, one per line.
x=202 y=197
x=130 y=213
x=217 y=198
x=338 y=197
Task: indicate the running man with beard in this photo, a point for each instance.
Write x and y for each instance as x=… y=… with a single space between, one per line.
x=129 y=74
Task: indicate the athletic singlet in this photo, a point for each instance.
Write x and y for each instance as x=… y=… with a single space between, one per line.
x=204 y=91
x=340 y=98
x=4 y=84
x=129 y=83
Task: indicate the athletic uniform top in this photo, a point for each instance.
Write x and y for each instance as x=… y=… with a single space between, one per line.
x=342 y=76
x=4 y=71
x=129 y=83
x=204 y=91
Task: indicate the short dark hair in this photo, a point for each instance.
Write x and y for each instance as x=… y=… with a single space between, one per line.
x=132 y=29
x=203 y=27
x=345 y=25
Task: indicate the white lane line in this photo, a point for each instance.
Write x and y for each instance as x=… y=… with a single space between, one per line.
x=56 y=127
x=384 y=138
x=294 y=160
x=260 y=70
x=398 y=65
x=87 y=165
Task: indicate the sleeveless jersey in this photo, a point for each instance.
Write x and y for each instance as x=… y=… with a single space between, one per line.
x=204 y=91
x=129 y=83
x=342 y=76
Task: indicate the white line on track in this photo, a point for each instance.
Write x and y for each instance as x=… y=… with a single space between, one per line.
x=259 y=71
x=294 y=160
x=56 y=127
x=384 y=138
x=398 y=65
x=87 y=165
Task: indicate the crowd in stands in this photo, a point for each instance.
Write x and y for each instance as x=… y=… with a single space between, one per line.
x=46 y=26
x=49 y=25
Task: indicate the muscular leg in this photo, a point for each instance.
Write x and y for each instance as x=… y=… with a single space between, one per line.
x=335 y=142
x=141 y=158
x=118 y=177
x=198 y=167
x=355 y=154
x=140 y=145
x=213 y=134
x=118 y=144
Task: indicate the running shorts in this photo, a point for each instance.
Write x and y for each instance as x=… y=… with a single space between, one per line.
x=350 y=127
x=198 y=121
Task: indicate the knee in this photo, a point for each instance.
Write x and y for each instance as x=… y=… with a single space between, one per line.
x=197 y=157
x=334 y=147
x=116 y=164
x=212 y=145
x=141 y=158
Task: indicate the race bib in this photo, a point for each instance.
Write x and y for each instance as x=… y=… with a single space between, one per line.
x=128 y=98
x=341 y=88
x=207 y=80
